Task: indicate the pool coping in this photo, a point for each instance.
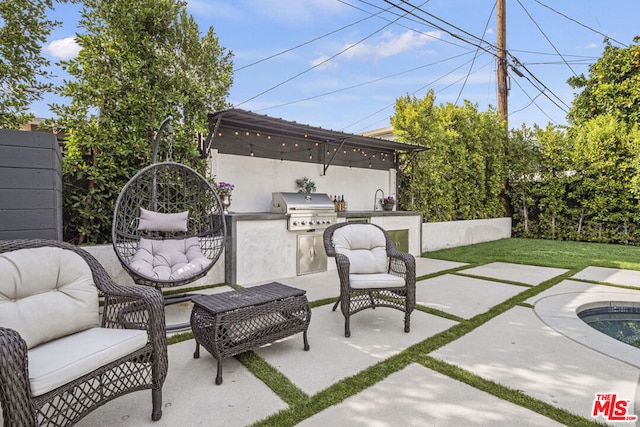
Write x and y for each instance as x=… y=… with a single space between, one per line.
x=560 y=312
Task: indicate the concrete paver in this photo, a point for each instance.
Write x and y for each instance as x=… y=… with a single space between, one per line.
x=463 y=296
x=614 y=276
x=375 y=335
x=527 y=274
x=421 y=397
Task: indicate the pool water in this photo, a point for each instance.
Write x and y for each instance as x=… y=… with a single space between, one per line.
x=621 y=323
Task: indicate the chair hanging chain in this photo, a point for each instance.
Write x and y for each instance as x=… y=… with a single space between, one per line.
x=170 y=144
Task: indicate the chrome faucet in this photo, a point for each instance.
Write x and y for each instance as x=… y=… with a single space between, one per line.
x=376 y=198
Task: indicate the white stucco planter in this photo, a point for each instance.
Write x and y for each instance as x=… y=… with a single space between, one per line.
x=442 y=235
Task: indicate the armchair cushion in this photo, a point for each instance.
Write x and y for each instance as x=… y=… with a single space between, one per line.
x=46 y=293
x=170 y=259
x=380 y=280
x=61 y=361
x=364 y=245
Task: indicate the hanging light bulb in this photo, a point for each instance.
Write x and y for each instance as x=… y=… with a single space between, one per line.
x=310 y=155
x=251 y=154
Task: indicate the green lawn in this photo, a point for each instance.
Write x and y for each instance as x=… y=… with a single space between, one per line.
x=547 y=253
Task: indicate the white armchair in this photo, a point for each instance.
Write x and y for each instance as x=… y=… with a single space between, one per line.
x=60 y=357
x=372 y=272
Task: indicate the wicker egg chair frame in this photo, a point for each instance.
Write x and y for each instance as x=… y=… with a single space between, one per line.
x=168 y=187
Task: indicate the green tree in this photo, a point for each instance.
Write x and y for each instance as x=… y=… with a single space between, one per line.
x=139 y=62
x=461 y=174
x=523 y=158
x=24 y=28
x=612 y=86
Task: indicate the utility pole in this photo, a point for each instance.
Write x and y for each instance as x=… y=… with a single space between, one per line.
x=503 y=90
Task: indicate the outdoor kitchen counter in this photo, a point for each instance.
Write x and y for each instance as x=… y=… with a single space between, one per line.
x=259 y=248
x=258 y=216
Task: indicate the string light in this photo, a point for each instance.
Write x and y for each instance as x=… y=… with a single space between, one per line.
x=299 y=147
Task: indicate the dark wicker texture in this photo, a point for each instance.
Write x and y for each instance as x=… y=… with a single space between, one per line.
x=233 y=322
x=125 y=307
x=168 y=187
x=352 y=300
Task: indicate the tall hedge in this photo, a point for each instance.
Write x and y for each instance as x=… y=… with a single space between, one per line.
x=462 y=173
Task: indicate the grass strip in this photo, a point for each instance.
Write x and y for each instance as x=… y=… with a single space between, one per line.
x=274 y=379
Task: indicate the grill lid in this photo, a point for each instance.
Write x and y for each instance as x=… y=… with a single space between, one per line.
x=301 y=202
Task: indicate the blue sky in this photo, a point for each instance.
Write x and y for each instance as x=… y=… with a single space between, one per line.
x=360 y=56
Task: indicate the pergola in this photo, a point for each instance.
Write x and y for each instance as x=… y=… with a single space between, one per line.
x=242 y=132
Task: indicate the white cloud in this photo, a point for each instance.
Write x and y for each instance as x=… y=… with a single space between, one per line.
x=592 y=46
x=323 y=63
x=388 y=45
x=489 y=31
x=66 y=48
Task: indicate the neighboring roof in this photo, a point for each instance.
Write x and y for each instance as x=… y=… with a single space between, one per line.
x=384 y=133
x=248 y=121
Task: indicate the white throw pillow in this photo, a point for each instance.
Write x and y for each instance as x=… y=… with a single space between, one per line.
x=155 y=221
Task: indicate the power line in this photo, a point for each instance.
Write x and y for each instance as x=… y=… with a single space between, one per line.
x=397 y=23
x=474 y=56
x=414 y=92
x=545 y=36
x=434 y=25
x=363 y=83
x=580 y=23
x=320 y=63
x=533 y=101
x=307 y=42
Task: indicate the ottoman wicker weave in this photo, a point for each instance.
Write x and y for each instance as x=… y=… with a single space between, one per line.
x=233 y=322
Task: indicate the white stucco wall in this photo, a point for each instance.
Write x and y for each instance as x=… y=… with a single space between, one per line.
x=442 y=235
x=256 y=178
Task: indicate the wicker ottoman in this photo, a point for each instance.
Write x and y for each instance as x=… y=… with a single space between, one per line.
x=233 y=322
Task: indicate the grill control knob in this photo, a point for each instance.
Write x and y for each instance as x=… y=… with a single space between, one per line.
x=295 y=222
x=303 y=222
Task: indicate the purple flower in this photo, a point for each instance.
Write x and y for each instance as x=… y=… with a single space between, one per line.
x=225 y=188
x=388 y=200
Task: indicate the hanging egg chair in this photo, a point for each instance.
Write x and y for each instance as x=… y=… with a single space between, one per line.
x=168 y=224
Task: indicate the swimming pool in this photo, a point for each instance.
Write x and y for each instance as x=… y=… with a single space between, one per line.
x=619 y=322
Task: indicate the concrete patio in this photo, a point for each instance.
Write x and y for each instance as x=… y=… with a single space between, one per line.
x=540 y=351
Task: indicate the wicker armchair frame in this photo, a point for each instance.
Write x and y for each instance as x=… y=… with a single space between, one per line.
x=352 y=300
x=125 y=307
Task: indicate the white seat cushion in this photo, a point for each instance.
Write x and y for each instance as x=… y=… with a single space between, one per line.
x=365 y=246
x=382 y=280
x=46 y=293
x=170 y=259
x=58 y=362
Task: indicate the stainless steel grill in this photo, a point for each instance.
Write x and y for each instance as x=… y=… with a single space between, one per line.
x=304 y=211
